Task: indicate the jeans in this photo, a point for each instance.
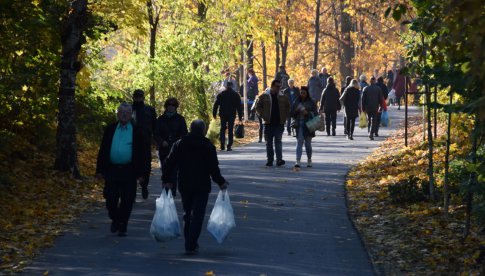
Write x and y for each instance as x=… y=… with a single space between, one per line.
x=274 y=133
x=194 y=205
x=300 y=139
x=288 y=126
x=226 y=123
x=350 y=121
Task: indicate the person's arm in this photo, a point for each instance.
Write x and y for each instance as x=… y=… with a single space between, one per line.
x=322 y=99
x=237 y=102
x=214 y=170
x=216 y=106
x=259 y=106
x=100 y=164
x=183 y=129
x=170 y=165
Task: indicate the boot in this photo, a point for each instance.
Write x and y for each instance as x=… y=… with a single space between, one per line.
x=309 y=163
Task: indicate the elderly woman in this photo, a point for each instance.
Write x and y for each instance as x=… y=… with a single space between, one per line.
x=315 y=86
x=304 y=109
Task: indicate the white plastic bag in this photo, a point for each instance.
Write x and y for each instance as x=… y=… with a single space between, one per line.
x=165 y=224
x=221 y=220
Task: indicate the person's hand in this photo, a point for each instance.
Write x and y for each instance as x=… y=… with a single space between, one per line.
x=224 y=186
x=167 y=185
x=164 y=144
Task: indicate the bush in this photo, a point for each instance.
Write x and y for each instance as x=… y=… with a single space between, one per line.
x=213 y=131
x=408 y=191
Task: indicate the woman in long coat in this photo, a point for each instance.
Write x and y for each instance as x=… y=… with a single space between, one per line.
x=350 y=100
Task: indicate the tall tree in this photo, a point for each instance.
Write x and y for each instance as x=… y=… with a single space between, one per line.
x=154 y=12
x=72 y=38
x=317 y=35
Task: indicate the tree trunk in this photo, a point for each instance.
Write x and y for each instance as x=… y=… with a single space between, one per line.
x=277 y=59
x=430 y=144
x=347 y=49
x=153 y=18
x=201 y=96
x=250 y=52
x=447 y=161
x=265 y=69
x=317 y=35
x=71 y=38
x=339 y=41
x=472 y=180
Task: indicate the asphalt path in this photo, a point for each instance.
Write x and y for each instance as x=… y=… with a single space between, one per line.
x=288 y=222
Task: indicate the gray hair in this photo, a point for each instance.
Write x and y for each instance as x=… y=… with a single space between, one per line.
x=363 y=77
x=124 y=106
x=197 y=127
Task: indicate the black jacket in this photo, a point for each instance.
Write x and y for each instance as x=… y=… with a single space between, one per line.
x=228 y=102
x=195 y=159
x=384 y=90
x=350 y=100
x=330 y=99
x=169 y=129
x=145 y=117
x=141 y=152
x=371 y=98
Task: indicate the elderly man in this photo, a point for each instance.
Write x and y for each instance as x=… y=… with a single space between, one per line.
x=372 y=100
x=194 y=158
x=292 y=92
x=122 y=162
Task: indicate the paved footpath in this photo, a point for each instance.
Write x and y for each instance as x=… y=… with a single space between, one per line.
x=288 y=223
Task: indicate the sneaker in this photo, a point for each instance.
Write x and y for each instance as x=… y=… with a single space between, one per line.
x=297 y=164
x=144 y=192
x=223 y=148
x=371 y=137
x=229 y=149
x=269 y=164
x=351 y=137
x=376 y=135
x=280 y=162
x=334 y=133
x=309 y=163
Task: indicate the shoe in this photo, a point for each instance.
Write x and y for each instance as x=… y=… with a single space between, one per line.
x=223 y=148
x=122 y=229
x=376 y=135
x=333 y=132
x=260 y=141
x=297 y=164
x=144 y=192
x=229 y=149
x=289 y=133
x=191 y=252
x=328 y=133
x=269 y=164
x=371 y=137
x=351 y=137
x=345 y=132
x=114 y=227
x=309 y=163
x=280 y=162
x=348 y=137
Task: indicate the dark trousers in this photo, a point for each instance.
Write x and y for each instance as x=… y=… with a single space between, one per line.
x=330 y=119
x=274 y=133
x=194 y=205
x=227 y=123
x=120 y=192
x=288 y=126
x=350 y=122
x=261 y=128
x=346 y=129
x=378 y=123
x=372 y=121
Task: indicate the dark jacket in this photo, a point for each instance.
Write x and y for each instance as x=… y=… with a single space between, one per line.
x=228 y=103
x=371 y=98
x=195 y=159
x=141 y=152
x=324 y=79
x=350 y=100
x=383 y=88
x=311 y=107
x=315 y=88
x=330 y=99
x=283 y=77
x=145 y=117
x=296 y=93
x=169 y=129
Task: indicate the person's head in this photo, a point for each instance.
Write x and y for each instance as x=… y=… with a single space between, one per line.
x=348 y=79
x=251 y=71
x=380 y=79
x=354 y=83
x=303 y=93
x=275 y=86
x=124 y=113
x=282 y=68
x=197 y=127
x=138 y=96
x=314 y=72
x=330 y=81
x=373 y=80
x=363 y=78
x=229 y=85
x=228 y=75
x=324 y=70
x=291 y=83
x=171 y=105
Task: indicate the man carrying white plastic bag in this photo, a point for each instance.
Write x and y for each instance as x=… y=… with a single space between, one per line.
x=194 y=158
x=165 y=224
x=221 y=220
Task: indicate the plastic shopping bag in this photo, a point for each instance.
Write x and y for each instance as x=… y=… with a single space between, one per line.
x=385 y=119
x=221 y=220
x=362 y=120
x=165 y=224
x=316 y=123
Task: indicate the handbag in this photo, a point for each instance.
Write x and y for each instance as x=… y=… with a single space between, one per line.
x=316 y=123
x=239 y=131
x=362 y=120
x=385 y=119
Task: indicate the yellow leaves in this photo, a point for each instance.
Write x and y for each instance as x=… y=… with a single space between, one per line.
x=210 y=273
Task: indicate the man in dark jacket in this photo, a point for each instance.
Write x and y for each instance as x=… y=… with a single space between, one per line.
x=372 y=100
x=282 y=77
x=122 y=162
x=195 y=160
x=383 y=87
x=330 y=104
x=228 y=103
x=145 y=117
x=293 y=93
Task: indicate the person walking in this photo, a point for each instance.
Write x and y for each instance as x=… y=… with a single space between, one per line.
x=399 y=87
x=193 y=158
x=348 y=79
x=304 y=109
x=228 y=102
x=372 y=100
x=253 y=91
x=274 y=108
x=122 y=162
x=330 y=104
x=145 y=117
x=324 y=75
x=292 y=92
x=315 y=86
x=170 y=127
x=350 y=100
x=282 y=77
